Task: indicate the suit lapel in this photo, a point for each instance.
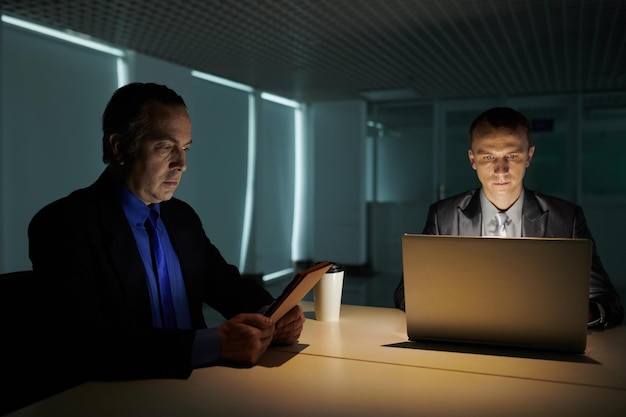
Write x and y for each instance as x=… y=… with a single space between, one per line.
x=470 y=217
x=534 y=218
x=130 y=271
x=119 y=244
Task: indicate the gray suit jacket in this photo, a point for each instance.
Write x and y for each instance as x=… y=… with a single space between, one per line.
x=542 y=216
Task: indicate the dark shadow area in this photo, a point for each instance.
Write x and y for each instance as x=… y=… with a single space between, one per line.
x=31 y=369
x=276 y=356
x=512 y=352
x=29 y=386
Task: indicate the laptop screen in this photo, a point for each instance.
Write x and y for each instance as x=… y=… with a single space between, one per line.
x=529 y=292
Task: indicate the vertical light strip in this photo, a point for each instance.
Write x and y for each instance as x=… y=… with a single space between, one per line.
x=249 y=199
x=297 y=230
x=248 y=210
x=122 y=72
x=297 y=238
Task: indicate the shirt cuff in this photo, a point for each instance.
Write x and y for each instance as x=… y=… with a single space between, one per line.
x=206 y=348
x=600 y=320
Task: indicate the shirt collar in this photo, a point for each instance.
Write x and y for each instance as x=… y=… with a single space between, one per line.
x=514 y=212
x=136 y=210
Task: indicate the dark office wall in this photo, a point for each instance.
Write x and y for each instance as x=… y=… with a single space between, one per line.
x=53 y=94
x=339 y=180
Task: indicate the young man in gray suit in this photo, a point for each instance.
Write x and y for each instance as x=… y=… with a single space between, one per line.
x=500 y=150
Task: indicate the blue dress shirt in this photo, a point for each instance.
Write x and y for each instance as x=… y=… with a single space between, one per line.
x=206 y=347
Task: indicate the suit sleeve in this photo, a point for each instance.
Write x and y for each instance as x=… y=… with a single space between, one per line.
x=209 y=277
x=601 y=289
x=229 y=292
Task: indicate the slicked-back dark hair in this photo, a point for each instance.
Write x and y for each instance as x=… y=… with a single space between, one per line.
x=503 y=117
x=126 y=114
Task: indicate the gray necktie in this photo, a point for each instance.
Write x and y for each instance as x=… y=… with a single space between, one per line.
x=502 y=219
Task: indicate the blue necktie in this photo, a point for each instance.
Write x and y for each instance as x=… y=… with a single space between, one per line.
x=159 y=263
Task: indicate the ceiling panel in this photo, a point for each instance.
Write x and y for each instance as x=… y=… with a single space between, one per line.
x=316 y=50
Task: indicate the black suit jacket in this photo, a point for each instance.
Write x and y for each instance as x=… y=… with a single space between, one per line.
x=86 y=260
x=542 y=216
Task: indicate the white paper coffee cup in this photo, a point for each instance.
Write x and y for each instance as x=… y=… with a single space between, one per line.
x=327 y=294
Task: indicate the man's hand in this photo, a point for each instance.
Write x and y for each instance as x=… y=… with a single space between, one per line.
x=245 y=338
x=289 y=327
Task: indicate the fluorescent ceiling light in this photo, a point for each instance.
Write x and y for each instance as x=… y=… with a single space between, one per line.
x=221 y=81
x=280 y=100
x=390 y=95
x=98 y=46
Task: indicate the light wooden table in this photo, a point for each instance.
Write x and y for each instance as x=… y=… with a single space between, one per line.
x=360 y=366
x=379 y=335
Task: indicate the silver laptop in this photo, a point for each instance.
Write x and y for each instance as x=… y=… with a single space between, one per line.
x=524 y=292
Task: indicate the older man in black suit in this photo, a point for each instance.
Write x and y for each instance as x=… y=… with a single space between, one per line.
x=501 y=149
x=125 y=295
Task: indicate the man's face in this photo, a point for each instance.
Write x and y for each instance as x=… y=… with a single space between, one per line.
x=156 y=172
x=500 y=158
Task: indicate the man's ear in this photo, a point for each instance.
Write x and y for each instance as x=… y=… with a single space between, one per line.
x=470 y=155
x=115 y=140
x=531 y=152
